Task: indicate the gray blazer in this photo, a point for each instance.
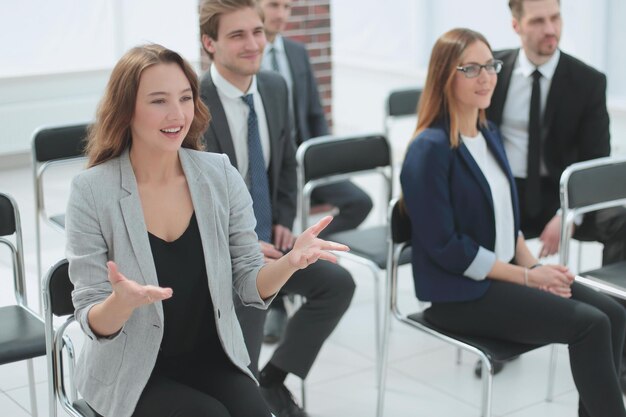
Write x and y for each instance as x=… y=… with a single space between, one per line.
x=105 y=222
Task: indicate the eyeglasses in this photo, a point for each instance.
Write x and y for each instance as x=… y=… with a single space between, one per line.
x=473 y=70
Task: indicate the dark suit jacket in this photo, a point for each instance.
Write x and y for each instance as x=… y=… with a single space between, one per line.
x=576 y=121
x=308 y=112
x=282 y=168
x=449 y=202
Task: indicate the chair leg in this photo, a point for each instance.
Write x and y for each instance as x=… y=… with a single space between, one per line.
x=382 y=359
x=303 y=393
x=552 y=372
x=31 y=385
x=579 y=257
x=487 y=376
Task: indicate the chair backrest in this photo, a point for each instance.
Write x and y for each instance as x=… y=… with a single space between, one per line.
x=399 y=239
x=589 y=186
x=330 y=159
x=403 y=102
x=58 y=290
x=399 y=223
x=10 y=226
x=57 y=143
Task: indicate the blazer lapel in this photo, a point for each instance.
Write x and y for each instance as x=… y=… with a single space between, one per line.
x=498 y=151
x=475 y=170
x=219 y=122
x=273 y=126
x=136 y=227
x=204 y=206
x=502 y=87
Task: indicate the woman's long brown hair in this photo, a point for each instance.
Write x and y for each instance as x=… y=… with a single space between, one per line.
x=110 y=135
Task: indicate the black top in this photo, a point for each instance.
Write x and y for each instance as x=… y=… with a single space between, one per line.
x=189 y=317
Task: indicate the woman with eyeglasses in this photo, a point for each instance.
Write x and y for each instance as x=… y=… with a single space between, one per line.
x=469 y=258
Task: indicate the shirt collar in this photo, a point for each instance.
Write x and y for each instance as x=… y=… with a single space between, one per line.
x=229 y=90
x=546 y=69
x=278 y=44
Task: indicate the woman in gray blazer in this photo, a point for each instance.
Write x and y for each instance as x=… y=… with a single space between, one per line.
x=179 y=224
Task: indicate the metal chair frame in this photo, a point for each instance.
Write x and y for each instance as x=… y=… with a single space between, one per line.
x=42 y=165
x=56 y=342
x=19 y=288
x=571 y=208
x=306 y=187
x=396 y=247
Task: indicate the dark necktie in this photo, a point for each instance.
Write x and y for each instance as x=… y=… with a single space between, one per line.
x=259 y=186
x=533 y=176
x=274 y=60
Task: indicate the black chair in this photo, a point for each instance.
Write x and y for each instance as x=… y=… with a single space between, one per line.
x=488 y=350
x=21 y=330
x=57 y=293
x=52 y=147
x=401 y=103
x=331 y=159
x=587 y=187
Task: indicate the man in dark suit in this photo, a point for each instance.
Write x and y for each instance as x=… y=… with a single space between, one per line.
x=551 y=110
x=251 y=124
x=291 y=60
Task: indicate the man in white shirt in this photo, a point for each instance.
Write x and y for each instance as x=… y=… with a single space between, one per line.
x=551 y=110
x=291 y=60
x=251 y=124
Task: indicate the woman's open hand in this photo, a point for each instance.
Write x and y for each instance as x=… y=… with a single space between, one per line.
x=130 y=294
x=308 y=248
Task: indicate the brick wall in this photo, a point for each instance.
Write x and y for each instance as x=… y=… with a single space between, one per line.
x=310 y=24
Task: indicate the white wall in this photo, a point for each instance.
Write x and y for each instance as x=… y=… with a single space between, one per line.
x=57 y=55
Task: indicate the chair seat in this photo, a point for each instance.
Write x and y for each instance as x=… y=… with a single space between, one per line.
x=59 y=220
x=495 y=349
x=610 y=279
x=84 y=409
x=22 y=335
x=370 y=243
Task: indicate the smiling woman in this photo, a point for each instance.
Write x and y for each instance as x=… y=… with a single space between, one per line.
x=159 y=234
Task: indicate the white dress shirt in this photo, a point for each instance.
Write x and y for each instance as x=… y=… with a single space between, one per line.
x=237 y=115
x=514 y=127
x=500 y=194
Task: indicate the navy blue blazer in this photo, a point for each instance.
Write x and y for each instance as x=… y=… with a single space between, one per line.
x=451 y=209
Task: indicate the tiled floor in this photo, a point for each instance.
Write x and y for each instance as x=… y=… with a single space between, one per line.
x=424 y=378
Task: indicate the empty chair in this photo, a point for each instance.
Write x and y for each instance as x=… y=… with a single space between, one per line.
x=330 y=159
x=586 y=187
x=52 y=147
x=21 y=330
x=488 y=350
x=58 y=303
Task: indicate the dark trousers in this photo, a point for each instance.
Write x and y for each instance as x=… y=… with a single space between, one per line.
x=200 y=385
x=592 y=324
x=328 y=289
x=353 y=203
x=605 y=226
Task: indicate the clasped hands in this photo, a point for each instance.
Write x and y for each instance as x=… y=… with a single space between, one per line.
x=556 y=279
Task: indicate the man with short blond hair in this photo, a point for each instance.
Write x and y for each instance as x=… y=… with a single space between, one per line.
x=251 y=124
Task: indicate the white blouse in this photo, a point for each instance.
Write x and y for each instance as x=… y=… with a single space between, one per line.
x=500 y=193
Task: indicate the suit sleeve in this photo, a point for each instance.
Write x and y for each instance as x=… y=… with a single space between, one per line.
x=285 y=212
x=315 y=115
x=425 y=180
x=87 y=253
x=595 y=139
